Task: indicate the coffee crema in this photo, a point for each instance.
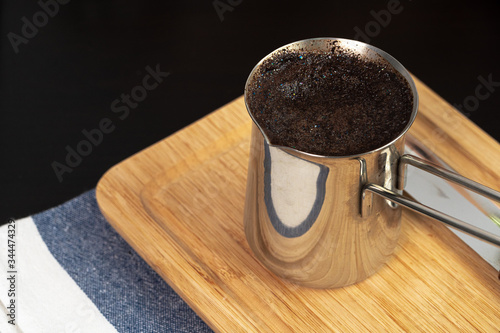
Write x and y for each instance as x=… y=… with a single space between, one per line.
x=335 y=103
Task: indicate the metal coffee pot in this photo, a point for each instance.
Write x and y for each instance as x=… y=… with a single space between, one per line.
x=332 y=221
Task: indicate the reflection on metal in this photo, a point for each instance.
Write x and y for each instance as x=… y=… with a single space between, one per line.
x=294 y=191
x=446 y=174
x=317 y=237
x=302 y=211
x=389 y=158
x=486 y=206
x=314 y=219
x=435 y=214
x=366 y=197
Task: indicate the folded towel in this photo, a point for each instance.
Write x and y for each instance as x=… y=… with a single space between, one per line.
x=73 y=273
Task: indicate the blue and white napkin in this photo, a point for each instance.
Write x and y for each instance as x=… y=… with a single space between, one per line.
x=74 y=273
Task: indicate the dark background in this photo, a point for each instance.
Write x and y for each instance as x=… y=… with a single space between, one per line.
x=64 y=79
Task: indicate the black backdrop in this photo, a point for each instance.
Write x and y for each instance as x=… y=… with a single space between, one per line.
x=63 y=72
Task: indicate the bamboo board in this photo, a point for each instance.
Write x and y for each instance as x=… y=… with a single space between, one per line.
x=179 y=204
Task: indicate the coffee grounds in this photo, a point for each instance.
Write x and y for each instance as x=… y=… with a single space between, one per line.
x=329 y=103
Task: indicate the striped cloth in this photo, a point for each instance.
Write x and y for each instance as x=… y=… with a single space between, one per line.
x=74 y=273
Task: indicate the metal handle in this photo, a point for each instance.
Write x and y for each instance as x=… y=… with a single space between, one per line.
x=406 y=160
x=488 y=207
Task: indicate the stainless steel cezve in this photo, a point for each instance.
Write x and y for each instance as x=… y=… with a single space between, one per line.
x=314 y=220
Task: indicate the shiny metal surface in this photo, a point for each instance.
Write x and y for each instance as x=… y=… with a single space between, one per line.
x=435 y=214
x=453 y=200
x=302 y=217
x=488 y=207
x=429 y=167
x=314 y=219
x=407 y=160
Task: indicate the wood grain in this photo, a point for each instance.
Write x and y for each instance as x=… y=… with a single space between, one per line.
x=179 y=204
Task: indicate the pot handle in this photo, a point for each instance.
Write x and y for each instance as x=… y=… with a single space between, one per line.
x=404 y=161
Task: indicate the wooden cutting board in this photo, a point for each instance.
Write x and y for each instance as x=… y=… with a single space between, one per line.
x=179 y=204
